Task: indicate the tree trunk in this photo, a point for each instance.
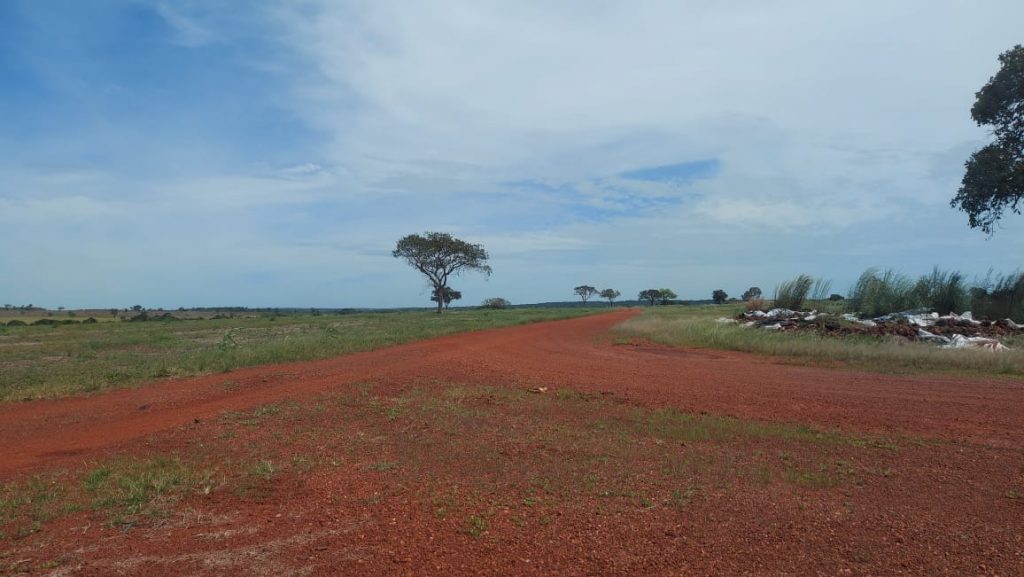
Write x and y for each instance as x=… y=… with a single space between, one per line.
x=439 y=293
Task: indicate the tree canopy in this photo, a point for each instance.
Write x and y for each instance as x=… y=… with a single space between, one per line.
x=650 y=295
x=753 y=292
x=439 y=256
x=450 y=295
x=719 y=296
x=585 y=292
x=667 y=295
x=994 y=178
x=610 y=295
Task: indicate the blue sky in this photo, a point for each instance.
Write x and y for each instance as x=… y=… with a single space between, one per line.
x=197 y=153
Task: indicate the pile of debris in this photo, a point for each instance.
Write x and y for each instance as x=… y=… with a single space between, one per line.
x=951 y=331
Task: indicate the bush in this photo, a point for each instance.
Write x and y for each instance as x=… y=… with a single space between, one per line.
x=495 y=303
x=16 y=323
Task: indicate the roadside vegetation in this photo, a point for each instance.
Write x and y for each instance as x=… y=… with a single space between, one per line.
x=58 y=360
x=697 y=326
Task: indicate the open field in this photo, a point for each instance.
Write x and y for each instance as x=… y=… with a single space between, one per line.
x=697 y=327
x=542 y=449
x=54 y=361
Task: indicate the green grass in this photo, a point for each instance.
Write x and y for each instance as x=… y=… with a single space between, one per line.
x=46 y=362
x=697 y=327
x=121 y=490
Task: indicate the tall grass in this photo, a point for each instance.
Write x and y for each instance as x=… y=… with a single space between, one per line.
x=791 y=294
x=794 y=293
x=881 y=292
x=1000 y=297
x=942 y=291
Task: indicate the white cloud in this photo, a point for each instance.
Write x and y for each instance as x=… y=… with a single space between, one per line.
x=839 y=130
x=810 y=92
x=190 y=32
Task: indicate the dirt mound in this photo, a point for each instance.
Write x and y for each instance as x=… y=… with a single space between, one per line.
x=911 y=325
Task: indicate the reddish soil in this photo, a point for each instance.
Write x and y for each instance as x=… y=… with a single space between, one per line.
x=948 y=500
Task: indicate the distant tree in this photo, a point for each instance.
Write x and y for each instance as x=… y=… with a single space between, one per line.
x=585 y=292
x=994 y=176
x=719 y=296
x=610 y=295
x=667 y=295
x=60 y=308
x=752 y=293
x=439 y=256
x=650 y=295
x=836 y=297
x=495 y=303
x=8 y=307
x=137 y=308
x=450 y=295
x=113 y=312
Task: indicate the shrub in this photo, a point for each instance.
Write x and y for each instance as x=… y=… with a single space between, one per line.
x=495 y=303
x=16 y=323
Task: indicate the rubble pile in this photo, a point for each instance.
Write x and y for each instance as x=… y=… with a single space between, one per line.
x=950 y=331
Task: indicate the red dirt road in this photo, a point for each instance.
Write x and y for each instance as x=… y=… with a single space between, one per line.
x=568 y=354
x=377 y=480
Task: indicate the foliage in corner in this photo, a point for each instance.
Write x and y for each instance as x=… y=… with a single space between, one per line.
x=994 y=178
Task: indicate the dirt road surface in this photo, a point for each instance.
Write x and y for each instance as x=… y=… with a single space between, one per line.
x=971 y=431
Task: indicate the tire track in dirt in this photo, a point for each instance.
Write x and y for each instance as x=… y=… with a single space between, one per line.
x=573 y=353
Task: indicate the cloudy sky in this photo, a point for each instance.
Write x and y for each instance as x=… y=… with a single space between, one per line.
x=199 y=153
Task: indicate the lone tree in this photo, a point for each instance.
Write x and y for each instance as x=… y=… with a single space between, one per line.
x=753 y=292
x=719 y=297
x=585 y=292
x=440 y=256
x=994 y=177
x=450 y=295
x=650 y=295
x=610 y=295
x=667 y=295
